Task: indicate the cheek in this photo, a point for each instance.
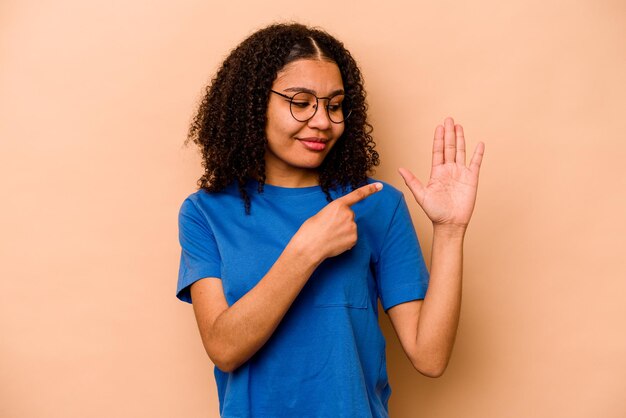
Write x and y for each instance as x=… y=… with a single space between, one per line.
x=280 y=125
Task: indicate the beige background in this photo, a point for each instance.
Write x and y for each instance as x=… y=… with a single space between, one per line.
x=95 y=104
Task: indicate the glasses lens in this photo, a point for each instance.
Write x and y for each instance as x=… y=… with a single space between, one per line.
x=303 y=106
x=336 y=109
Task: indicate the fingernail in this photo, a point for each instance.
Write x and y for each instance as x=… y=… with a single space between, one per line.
x=379 y=186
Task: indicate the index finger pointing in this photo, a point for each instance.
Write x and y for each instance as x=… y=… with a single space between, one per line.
x=359 y=194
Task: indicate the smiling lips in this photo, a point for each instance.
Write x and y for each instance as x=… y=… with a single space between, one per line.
x=313 y=144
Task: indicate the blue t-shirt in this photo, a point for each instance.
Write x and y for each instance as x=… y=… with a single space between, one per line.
x=327 y=356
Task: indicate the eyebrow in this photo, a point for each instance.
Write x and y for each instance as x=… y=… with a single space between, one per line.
x=304 y=89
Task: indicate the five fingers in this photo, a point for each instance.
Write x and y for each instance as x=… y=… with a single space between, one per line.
x=448 y=147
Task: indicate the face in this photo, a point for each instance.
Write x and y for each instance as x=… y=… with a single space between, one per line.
x=295 y=149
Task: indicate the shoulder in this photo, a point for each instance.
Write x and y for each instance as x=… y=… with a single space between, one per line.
x=204 y=208
x=191 y=203
x=388 y=191
x=386 y=200
x=201 y=199
x=379 y=213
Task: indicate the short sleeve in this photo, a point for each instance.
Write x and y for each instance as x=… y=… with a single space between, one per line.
x=401 y=274
x=199 y=256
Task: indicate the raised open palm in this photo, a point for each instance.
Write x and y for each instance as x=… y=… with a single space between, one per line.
x=450 y=194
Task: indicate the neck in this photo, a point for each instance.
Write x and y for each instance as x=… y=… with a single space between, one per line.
x=304 y=179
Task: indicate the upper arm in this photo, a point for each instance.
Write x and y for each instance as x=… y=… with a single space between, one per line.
x=208 y=300
x=404 y=318
x=400 y=270
x=200 y=256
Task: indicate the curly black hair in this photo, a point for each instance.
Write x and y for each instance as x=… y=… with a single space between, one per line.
x=229 y=126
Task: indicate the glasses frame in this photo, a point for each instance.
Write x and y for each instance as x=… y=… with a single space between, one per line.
x=317 y=105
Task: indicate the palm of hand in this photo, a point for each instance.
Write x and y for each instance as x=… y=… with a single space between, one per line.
x=449 y=196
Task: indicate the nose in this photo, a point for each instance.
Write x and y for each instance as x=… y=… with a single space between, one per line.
x=320 y=120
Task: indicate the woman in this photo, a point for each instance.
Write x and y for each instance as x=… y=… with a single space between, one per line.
x=288 y=244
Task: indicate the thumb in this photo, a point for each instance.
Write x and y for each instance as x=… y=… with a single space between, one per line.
x=413 y=183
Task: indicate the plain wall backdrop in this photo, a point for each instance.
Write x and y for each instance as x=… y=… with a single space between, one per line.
x=95 y=101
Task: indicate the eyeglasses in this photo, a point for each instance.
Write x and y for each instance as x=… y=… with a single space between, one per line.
x=303 y=106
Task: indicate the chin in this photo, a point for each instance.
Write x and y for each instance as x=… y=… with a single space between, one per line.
x=312 y=165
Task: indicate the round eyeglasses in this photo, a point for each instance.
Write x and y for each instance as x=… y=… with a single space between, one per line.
x=303 y=106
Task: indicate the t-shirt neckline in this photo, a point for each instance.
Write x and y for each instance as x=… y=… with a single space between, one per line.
x=271 y=189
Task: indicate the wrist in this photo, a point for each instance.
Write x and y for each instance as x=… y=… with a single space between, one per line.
x=305 y=253
x=449 y=230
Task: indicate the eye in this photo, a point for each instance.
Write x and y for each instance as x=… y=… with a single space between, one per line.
x=334 y=107
x=300 y=104
x=335 y=103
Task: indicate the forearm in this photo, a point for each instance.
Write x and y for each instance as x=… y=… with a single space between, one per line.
x=243 y=328
x=439 y=314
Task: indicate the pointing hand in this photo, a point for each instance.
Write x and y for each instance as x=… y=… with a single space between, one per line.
x=332 y=230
